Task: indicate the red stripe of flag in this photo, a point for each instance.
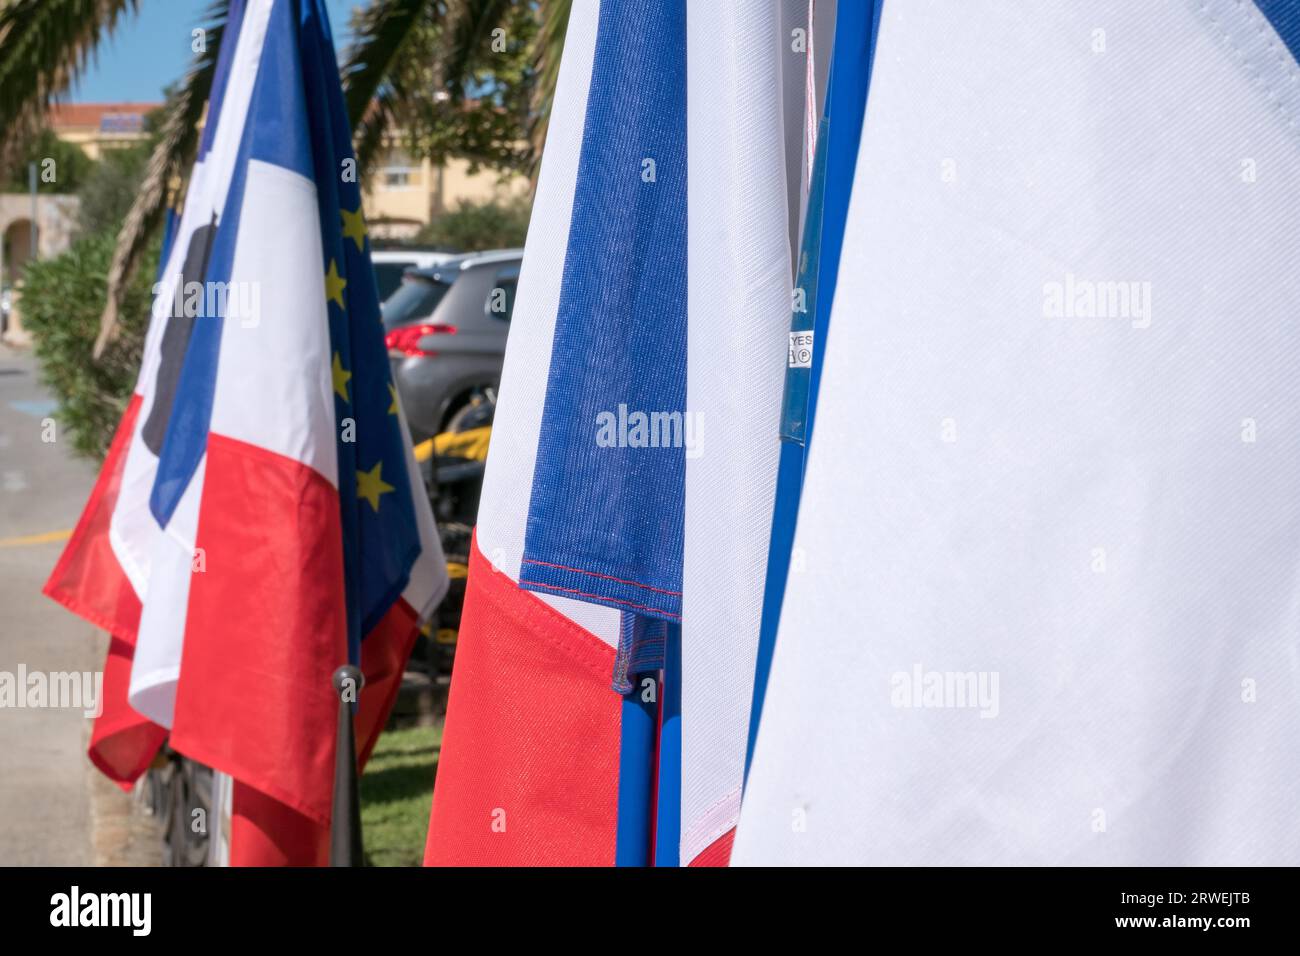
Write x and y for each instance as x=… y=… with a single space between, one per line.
x=264 y=632
x=89 y=581
x=528 y=772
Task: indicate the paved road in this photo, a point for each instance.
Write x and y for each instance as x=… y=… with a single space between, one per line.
x=48 y=806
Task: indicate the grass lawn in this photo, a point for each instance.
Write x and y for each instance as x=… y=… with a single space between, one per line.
x=396 y=791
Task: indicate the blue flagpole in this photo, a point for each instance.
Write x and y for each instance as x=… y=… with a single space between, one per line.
x=794 y=412
x=638 y=676
x=840 y=131
x=636 y=782
x=668 y=812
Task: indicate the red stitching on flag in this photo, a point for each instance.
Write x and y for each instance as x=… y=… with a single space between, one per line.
x=601 y=597
x=607 y=577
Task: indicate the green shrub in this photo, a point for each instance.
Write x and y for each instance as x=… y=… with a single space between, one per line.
x=109 y=188
x=62 y=299
x=66 y=164
x=473 y=227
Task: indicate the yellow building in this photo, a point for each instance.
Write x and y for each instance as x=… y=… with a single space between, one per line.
x=402 y=193
x=44 y=227
x=97 y=127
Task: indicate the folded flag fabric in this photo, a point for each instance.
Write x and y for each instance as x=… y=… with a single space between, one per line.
x=739 y=295
x=511 y=788
x=103 y=572
x=1046 y=612
x=88 y=580
x=270 y=516
x=629 y=484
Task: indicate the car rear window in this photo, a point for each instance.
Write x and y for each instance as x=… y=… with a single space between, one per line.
x=415 y=298
x=388 y=276
x=501 y=297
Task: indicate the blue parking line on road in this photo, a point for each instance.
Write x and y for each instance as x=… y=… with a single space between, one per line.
x=37 y=408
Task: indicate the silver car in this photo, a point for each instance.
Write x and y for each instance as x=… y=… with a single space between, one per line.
x=445 y=328
x=391 y=264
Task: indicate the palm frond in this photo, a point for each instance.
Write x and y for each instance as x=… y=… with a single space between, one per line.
x=550 y=47
x=172 y=156
x=44 y=46
x=372 y=88
x=470 y=26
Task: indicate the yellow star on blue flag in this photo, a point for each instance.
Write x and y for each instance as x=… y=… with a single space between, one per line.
x=354 y=228
x=340 y=376
x=334 y=285
x=370 y=485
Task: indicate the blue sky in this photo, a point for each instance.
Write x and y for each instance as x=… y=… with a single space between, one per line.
x=152 y=49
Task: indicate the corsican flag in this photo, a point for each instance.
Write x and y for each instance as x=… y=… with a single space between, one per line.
x=1047 y=611
x=603 y=676
x=269 y=515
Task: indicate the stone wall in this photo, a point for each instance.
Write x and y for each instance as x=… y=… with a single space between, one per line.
x=56 y=218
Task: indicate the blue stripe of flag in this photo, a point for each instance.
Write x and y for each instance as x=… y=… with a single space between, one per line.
x=605 y=521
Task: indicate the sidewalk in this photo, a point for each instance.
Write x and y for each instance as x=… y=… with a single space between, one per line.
x=52 y=809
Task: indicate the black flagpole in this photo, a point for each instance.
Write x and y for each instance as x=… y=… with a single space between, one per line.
x=345 y=821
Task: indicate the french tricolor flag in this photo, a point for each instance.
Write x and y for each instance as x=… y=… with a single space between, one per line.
x=601 y=692
x=261 y=499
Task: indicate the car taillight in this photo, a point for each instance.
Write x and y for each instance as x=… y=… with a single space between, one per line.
x=407 y=339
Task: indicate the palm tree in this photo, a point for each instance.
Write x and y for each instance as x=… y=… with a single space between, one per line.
x=401 y=53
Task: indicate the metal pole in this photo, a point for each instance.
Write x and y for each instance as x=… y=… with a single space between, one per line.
x=4 y=316
x=31 y=186
x=345 y=820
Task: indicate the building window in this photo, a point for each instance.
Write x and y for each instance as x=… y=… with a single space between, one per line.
x=399 y=176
